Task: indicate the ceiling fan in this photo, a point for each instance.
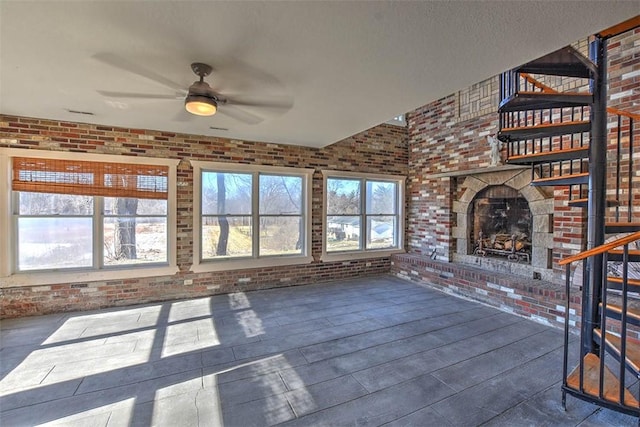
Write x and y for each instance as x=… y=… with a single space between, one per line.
x=200 y=99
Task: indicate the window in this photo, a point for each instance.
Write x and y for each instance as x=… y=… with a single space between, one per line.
x=227 y=226
x=256 y=213
x=90 y=219
x=363 y=214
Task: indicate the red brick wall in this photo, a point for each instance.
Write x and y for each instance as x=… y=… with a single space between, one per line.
x=442 y=139
x=624 y=71
x=446 y=137
x=380 y=149
x=438 y=143
x=624 y=94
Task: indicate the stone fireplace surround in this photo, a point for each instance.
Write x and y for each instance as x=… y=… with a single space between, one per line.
x=540 y=204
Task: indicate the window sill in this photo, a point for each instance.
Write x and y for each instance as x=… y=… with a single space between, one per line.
x=247 y=263
x=348 y=256
x=54 y=278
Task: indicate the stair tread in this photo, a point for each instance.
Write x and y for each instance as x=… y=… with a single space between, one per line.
x=619 y=252
x=630 y=281
x=584 y=202
x=591 y=383
x=548 y=156
x=568 y=95
x=526 y=100
x=548 y=125
x=615 y=344
x=623 y=223
x=622 y=227
x=577 y=178
x=566 y=61
x=631 y=313
x=618 y=255
x=544 y=129
x=619 y=279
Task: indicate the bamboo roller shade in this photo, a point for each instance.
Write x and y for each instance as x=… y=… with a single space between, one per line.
x=90 y=178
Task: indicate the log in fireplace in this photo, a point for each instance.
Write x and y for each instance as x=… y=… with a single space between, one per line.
x=501 y=224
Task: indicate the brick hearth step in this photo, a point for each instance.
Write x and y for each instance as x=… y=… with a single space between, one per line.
x=550 y=156
x=614 y=345
x=591 y=382
x=544 y=130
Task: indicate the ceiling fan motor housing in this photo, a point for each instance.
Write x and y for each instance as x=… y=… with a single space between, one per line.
x=202 y=89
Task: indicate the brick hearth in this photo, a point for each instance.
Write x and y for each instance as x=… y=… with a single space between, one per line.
x=539 y=300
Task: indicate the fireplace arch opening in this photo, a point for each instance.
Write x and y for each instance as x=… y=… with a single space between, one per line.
x=501 y=224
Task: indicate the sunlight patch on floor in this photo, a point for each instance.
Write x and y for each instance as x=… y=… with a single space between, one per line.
x=101 y=415
x=239 y=301
x=65 y=362
x=105 y=324
x=250 y=323
x=185 y=337
x=190 y=309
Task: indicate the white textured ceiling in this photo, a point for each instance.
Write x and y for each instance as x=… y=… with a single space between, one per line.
x=334 y=68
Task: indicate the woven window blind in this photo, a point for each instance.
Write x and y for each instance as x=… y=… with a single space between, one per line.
x=90 y=178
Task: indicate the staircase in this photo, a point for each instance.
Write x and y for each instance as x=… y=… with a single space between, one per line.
x=573 y=139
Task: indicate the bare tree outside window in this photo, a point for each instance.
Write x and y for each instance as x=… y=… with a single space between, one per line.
x=281 y=225
x=226 y=214
x=343 y=197
x=230 y=226
x=125 y=228
x=344 y=223
x=223 y=240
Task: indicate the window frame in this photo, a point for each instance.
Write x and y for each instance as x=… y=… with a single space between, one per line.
x=253 y=261
x=8 y=246
x=363 y=252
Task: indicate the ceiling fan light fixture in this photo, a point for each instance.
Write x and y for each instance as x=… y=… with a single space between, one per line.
x=200 y=105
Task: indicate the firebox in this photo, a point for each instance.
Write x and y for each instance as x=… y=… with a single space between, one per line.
x=501 y=224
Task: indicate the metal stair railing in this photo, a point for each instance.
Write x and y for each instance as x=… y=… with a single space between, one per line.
x=514 y=82
x=601 y=397
x=623 y=132
x=626 y=136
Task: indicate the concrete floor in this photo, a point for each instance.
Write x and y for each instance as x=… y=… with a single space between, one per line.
x=364 y=352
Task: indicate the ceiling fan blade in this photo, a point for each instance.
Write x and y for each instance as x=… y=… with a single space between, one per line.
x=116 y=61
x=240 y=115
x=278 y=102
x=112 y=94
